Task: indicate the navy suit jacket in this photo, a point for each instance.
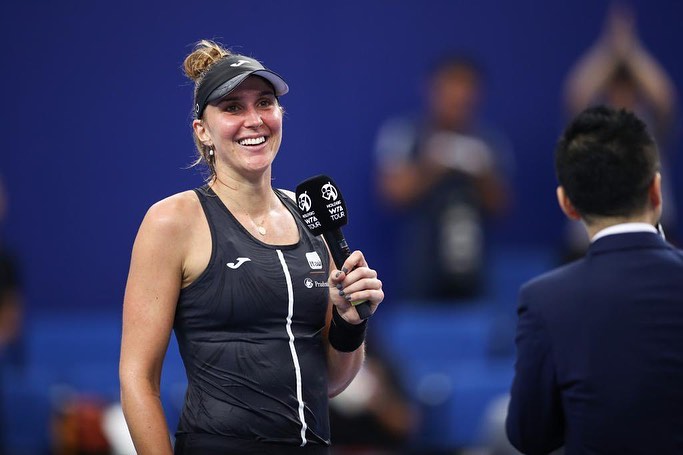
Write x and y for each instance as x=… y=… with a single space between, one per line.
x=600 y=353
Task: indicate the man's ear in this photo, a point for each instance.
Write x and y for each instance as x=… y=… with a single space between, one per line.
x=566 y=205
x=654 y=192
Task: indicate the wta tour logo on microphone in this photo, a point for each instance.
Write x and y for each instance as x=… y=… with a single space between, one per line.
x=329 y=192
x=304 y=202
x=321 y=204
x=306 y=206
x=335 y=207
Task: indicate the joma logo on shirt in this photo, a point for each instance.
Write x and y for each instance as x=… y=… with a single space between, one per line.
x=240 y=261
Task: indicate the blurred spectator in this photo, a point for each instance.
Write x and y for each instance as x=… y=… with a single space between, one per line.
x=373 y=415
x=10 y=311
x=116 y=430
x=77 y=426
x=10 y=291
x=620 y=72
x=442 y=173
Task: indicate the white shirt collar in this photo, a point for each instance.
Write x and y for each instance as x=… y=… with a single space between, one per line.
x=624 y=228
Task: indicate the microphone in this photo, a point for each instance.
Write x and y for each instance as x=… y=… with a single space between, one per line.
x=323 y=209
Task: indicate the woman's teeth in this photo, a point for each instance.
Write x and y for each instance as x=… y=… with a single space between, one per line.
x=252 y=141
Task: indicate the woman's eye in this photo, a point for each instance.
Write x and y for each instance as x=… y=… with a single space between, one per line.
x=266 y=102
x=231 y=108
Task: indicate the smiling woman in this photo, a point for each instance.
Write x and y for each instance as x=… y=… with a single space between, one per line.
x=243 y=129
x=227 y=72
x=228 y=267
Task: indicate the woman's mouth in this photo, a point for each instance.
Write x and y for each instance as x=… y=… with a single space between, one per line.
x=252 y=140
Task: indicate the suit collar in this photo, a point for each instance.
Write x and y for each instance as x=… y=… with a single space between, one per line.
x=629 y=240
x=622 y=228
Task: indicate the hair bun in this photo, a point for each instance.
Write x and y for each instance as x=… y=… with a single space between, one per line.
x=205 y=54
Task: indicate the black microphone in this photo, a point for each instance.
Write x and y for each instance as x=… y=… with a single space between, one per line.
x=322 y=207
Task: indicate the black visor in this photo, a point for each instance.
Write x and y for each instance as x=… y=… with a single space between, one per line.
x=224 y=76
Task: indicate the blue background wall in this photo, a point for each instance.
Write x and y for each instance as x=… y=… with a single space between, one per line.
x=96 y=115
x=96 y=109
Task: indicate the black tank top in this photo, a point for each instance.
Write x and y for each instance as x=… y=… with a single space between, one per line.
x=250 y=333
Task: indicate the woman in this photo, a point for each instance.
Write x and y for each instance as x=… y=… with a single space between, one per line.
x=229 y=267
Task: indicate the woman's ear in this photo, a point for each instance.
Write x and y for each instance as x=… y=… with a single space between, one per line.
x=201 y=131
x=566 y=205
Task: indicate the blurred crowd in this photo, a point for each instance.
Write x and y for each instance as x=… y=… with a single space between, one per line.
x=444 y=177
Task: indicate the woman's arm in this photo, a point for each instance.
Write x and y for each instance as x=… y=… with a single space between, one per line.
x=355 y=282
x=154 y=282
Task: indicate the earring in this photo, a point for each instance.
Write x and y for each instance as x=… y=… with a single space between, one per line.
x=210 y=152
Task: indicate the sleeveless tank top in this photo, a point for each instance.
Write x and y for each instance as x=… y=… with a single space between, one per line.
x=250 y=334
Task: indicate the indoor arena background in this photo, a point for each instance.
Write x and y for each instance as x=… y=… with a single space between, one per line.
x=96 y=127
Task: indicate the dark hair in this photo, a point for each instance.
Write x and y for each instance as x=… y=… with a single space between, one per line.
x=605 y=161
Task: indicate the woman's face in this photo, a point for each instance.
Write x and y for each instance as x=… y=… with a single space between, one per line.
x=244 y=128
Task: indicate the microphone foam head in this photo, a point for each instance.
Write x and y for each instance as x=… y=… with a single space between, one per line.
x=321 y=204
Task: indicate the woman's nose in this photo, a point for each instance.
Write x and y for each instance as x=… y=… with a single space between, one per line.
x=253 y=119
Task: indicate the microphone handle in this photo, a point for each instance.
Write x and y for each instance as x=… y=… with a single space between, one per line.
x=339 y=250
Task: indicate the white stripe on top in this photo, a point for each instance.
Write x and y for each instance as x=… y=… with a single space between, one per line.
x=295 y=357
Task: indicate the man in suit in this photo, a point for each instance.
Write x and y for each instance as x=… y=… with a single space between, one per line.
x=600 y=341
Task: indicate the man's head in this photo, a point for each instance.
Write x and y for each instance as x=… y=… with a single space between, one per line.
x=454 y=92
x=607 y=166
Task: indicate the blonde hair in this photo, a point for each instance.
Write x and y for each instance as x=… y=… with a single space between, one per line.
x=205 y=54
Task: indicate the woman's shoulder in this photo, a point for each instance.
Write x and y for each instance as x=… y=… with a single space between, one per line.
x=174 y=213
x=178 y=204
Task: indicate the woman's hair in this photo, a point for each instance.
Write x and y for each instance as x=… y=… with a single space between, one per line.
x=205 y=54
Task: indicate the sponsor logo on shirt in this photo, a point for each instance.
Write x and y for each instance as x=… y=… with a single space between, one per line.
x=238 y=263
x=309 y=283
x=314 y=260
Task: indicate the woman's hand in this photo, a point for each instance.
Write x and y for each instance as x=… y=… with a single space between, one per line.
x=355 y=283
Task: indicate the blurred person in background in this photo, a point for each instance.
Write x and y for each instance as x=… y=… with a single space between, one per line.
x=619 y=71
x=11 y=308
x=77 y=426
x=374 y=415
x=264 y=321
x=10 y=290
x=600 y=340
x=443 y=174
